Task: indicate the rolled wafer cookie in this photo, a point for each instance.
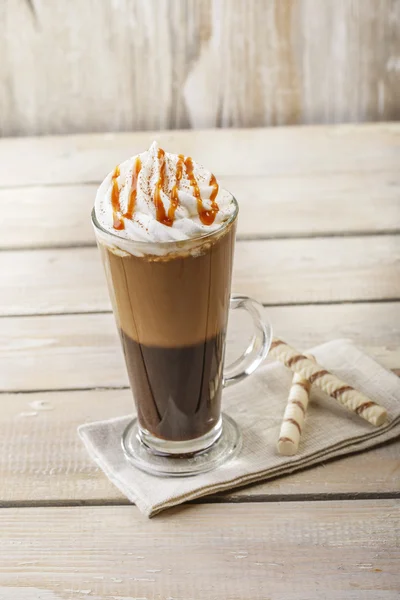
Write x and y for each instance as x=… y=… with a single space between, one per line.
x=330 y=384
x=294 y=416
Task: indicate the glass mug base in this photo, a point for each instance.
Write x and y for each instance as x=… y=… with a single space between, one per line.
x=182 y=459
x=163 y=447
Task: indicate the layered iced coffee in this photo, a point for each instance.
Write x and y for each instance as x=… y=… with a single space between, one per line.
x=166 y=233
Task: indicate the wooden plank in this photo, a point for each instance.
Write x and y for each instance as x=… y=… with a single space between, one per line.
x=83 y=351
x=306 y=205
x=241 y=552
x=241 y=63
x=285 y=151
x=52 y=216
x=45 y=461
x=273 y=271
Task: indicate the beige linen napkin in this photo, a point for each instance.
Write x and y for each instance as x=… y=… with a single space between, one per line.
x=258 y=405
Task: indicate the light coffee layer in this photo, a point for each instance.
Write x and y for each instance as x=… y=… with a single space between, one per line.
x=175 y=301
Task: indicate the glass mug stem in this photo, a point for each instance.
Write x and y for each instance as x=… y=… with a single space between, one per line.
x=241 y=368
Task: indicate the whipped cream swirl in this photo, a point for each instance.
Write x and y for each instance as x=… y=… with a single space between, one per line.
x=161 y=197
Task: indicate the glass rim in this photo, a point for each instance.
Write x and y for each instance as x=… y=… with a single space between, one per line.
x=117 y=239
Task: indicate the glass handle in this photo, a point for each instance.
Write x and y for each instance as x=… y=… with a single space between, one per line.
x=258 y=348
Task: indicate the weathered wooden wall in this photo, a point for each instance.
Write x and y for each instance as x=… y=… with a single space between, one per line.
x=95 y=65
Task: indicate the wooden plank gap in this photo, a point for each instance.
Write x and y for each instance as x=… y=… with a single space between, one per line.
x=239 y=238
x=213 y=499
x=74 y=389
x=265 y=304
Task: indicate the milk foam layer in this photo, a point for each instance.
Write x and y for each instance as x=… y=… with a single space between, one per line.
x=143 y=225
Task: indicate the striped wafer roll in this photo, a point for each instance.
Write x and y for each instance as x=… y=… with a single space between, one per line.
x=330 y=384
x=293 y=419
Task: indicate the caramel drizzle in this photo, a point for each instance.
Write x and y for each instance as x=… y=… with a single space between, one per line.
x=207 y=216
x=174 y=198
x=118 y=223
x=214 y=184
x=160 y=210
x=133 y=192
x=115 y=203
x=161 y=215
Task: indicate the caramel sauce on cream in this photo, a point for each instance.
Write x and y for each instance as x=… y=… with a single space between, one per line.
x=133 y=192
x=206 y=215
x=174 y=193
x=115 y=203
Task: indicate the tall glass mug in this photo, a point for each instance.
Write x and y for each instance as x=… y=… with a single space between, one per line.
x=171 y=302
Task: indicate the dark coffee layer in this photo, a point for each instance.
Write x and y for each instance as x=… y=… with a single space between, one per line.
x=177 y=390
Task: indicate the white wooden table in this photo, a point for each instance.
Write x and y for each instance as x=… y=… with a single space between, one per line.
x=319 y=245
